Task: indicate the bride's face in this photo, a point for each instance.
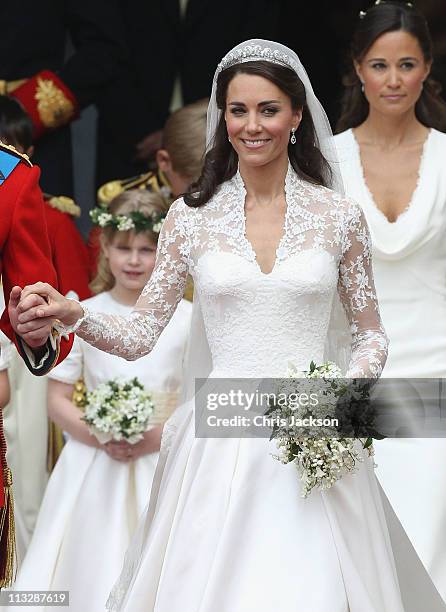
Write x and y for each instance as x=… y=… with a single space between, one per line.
x=259 y=119
x=393 y=71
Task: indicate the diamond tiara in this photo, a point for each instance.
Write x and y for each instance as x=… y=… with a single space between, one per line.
x=256 y=52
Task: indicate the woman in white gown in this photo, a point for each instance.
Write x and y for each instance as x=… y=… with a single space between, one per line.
x=97 y=492
x=272 y=250
x=392 y=161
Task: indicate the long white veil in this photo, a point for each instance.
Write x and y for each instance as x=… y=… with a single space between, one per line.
x=198 y=362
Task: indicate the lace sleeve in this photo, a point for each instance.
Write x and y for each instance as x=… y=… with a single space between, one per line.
x=134 y=336
x=357 y=292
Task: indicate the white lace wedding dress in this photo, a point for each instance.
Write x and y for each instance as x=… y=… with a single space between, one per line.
x=227 y=529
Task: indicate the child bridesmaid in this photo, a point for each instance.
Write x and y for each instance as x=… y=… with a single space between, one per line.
x=97 y=491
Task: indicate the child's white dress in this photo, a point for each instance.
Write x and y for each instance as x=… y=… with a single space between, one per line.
x=92 y=502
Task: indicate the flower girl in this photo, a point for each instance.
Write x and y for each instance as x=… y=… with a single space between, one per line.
x=99 y=488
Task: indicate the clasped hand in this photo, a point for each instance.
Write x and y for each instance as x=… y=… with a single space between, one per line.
x=34 y=310
x=123 y=451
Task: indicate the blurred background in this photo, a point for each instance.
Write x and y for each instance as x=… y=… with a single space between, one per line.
x=129 y=64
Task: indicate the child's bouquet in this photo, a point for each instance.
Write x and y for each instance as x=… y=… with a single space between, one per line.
x=118 y=410
x=315 y=433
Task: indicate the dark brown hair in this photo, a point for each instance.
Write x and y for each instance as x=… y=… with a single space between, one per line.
x=386 y=17
x=16 y=127
x=221 y=161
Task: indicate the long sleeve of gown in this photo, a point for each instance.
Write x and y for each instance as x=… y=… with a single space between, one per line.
x=357 y=292
x=134 y=336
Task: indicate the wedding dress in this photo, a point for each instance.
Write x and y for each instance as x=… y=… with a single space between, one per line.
x=227 y=529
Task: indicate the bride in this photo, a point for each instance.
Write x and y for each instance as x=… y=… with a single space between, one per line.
x=274 y=252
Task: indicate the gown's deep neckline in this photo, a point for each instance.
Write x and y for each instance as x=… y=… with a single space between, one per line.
x=280 y=245
x=412 y=200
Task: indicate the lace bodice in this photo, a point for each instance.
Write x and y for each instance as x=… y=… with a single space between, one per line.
x=255 y=322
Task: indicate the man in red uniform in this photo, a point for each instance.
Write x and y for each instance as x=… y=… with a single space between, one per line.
x=25 y=258
x=69 y=252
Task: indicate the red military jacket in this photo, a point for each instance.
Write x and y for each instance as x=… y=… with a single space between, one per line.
x=25 y=254
x=69 y=252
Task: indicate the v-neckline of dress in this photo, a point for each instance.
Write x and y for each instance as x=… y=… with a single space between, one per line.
x=411 y=204
x=240 y=185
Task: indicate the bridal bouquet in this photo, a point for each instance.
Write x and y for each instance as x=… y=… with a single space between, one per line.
x=118 y=410
x=312 y=433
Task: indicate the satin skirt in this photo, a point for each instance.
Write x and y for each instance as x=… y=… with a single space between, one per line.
x=227 y=530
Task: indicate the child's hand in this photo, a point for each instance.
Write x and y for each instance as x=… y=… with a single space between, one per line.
x=123 y=451
x=119 y=451
x=149 y=444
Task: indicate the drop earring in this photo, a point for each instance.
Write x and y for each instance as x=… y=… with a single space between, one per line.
x=293 y=138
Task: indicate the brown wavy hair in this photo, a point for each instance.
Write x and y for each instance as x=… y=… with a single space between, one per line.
x=386 y=17
x=221 y=161
x=140 y=200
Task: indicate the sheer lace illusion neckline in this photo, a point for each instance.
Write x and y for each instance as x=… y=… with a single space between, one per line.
x=279 y=251
x=410 y=205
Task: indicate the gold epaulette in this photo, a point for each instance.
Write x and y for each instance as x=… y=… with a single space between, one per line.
x=6 y=87
x=64 y=204
x=152 y=181
x=111 y=190
x=10 y=149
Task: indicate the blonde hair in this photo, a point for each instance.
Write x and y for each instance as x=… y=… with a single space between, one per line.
x=135 y=200
x=184 y=138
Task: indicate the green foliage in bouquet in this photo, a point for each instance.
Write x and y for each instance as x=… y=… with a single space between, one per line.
x=325 y=437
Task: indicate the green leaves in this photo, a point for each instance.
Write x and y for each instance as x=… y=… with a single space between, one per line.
x=135 y=220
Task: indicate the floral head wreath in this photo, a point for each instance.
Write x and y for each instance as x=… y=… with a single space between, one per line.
x=135 y=220
x=362 y=14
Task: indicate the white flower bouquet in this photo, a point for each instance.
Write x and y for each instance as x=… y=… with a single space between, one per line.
x=312 y=433
x=118 y=410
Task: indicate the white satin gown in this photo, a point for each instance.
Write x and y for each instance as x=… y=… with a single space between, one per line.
x=227 y=529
